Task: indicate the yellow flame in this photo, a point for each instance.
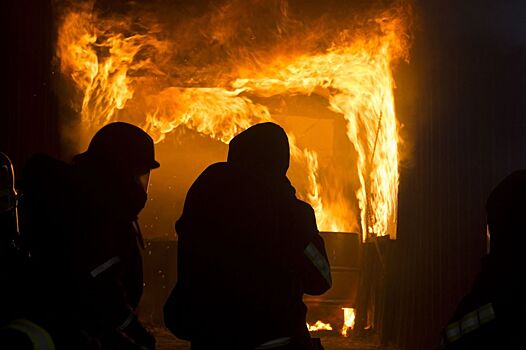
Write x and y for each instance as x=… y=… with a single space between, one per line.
x=348 y=320
x=319 y=326
x=125 y=74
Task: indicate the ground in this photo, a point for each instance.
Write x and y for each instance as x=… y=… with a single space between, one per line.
x=166 y=341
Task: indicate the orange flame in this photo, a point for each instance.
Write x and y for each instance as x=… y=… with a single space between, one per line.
x=348 y=320
x=319 y=326
x=125 y=71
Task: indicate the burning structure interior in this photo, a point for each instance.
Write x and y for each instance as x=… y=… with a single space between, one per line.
x=398 y=117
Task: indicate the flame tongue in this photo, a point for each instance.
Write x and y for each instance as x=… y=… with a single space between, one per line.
x=122 y=74
x=319 y=326
x=348 y=320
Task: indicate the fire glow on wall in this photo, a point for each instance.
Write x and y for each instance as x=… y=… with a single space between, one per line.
x=218 y=69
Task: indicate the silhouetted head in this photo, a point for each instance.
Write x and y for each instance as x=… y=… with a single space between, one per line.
x=263 y=148
x=119 y=159
x=506 y=215
x=122 y=148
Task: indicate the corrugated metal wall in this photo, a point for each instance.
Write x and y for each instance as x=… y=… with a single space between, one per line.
x=466 y=129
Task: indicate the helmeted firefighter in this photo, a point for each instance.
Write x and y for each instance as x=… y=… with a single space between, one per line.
x=248 y=250
x=493 y=314
x=80 y=225
x=17 y=331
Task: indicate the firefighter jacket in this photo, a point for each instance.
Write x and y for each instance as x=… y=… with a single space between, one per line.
x=248 y=250
x=492 y=315
x=84 y=249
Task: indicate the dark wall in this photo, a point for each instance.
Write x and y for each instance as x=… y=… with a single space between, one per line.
x=28 y=120
x=465 y=122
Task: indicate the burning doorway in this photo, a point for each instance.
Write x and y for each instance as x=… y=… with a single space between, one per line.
x=194 y=75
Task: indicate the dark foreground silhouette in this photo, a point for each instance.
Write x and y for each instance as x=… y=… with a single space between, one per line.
x=493 y=314
x=79 y=223
x=248 y=250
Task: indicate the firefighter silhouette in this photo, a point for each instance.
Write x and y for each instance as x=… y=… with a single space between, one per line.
x=16 y=330
x=248 y=250
x=493 y=314
x=79 y=222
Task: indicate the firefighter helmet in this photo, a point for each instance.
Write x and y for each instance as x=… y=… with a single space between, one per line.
x=123 y=146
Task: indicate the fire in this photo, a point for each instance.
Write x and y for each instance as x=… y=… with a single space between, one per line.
x=129 y=69
x=319 y=326
x=348 y=320
x=348 y=323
